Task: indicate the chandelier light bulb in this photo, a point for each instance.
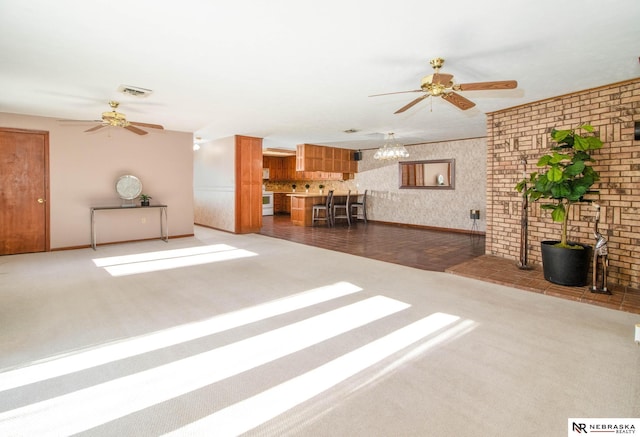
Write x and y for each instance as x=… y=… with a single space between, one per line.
x=391 y=149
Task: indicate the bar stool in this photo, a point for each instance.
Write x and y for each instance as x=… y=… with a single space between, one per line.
x=323 y=212
x=339 y=207
x=358 y=210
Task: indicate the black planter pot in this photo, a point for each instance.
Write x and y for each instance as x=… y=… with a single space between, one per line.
x=566 y=266
x=144 y=203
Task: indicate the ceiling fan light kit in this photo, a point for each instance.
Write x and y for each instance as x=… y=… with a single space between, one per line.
x=442 y=85
x=391 y=149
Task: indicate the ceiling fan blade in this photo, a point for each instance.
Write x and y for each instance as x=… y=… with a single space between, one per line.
x=136 y=130
x=410 y=104
x=441 y=79
x=95 y=128
x=459 y=101
x=498 y=85
x=398 y=92
x=152 y=126
x=80 y=121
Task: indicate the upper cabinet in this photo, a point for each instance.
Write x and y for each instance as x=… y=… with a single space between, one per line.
x=310 y=157
x=312 y=163
x=280 y=168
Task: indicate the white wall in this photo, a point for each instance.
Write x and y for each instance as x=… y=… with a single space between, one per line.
x=428 y=207
x=214 y=184
x=85 y=166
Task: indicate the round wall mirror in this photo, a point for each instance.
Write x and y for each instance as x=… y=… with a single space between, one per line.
x=128 y=187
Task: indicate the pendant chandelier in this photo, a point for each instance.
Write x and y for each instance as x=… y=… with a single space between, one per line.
x=391 y=149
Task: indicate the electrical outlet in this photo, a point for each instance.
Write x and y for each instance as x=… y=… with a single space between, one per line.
x=143 y=220
x=638 y=333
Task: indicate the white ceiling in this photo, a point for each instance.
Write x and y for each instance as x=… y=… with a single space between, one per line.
x=295 y=71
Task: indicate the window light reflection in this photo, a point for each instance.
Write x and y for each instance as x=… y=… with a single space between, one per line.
x=252 y=412
x=87 y=358
x=99 y=404
x=170 y=259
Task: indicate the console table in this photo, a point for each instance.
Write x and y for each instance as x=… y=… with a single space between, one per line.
x=164 y=224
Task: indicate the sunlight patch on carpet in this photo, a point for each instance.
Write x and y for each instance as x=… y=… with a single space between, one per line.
x=252 y=412
x=93 y=406
x=87 y=358
x=170 y=259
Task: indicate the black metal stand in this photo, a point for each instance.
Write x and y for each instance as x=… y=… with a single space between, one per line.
x=600 y=252
x=474 y=215
x=524 y=224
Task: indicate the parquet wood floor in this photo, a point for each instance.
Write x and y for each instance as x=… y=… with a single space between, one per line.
x=409 y=246
x=457 y=253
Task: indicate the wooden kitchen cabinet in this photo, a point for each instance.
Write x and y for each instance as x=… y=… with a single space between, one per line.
x=309 y=157
x=312 y=158
x=280 y=168
x=312 y=163
x=281 y=203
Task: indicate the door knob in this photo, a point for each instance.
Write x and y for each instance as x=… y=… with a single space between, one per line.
x=41 y=200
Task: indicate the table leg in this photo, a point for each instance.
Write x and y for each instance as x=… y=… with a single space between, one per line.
x=93 y=230
x=164 y=226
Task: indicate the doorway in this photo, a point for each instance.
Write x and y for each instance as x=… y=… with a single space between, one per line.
x=24 y=191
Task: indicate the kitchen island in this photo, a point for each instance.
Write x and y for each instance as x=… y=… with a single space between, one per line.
x=302 y=205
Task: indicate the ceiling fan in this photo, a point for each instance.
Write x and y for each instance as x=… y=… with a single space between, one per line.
x=442 y=85
x=118 y=119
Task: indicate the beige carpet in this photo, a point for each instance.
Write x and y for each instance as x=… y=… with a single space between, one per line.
x=227 y=335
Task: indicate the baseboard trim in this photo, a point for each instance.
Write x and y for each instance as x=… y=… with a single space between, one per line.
x=214 y=228
x=428 y=228
x=85 y=246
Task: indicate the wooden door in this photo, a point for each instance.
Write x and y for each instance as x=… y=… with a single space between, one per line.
x=24 y=190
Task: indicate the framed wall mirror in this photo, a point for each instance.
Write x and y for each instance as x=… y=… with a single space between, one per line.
x=436 y=174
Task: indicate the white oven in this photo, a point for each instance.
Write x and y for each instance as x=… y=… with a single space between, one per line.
x=267 y=203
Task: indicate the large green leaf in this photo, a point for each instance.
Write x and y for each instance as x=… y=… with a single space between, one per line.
x=580 y=143
x=574 y=169
x=594 y=143
x=544 y=160
x=577 y=192
x=561 y=191
x=558 y=213
x=559 y=157
x=554 y=174
x=559 y=135
x=582 y=156
x=535 y=195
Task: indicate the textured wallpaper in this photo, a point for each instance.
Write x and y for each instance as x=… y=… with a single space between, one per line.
x=428 y=207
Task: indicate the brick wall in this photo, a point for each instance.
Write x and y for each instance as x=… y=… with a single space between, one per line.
x=523 y=132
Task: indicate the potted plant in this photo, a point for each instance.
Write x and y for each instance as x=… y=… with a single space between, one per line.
x=306 y=186
x=321 y=188
x=564 y=179
x=293 y=186
x=144 y=199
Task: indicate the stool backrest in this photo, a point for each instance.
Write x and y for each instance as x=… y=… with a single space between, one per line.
x=329 y=200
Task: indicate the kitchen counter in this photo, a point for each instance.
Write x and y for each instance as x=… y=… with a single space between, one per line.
x=302 y=205
x=316 y=194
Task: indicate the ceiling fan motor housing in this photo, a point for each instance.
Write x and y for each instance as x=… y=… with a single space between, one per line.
x=114 y=118
x=433 y=84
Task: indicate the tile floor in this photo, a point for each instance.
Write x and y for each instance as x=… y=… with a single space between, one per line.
x=506 y=272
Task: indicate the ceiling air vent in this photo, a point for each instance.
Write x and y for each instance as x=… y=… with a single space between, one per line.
x=134 y=91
